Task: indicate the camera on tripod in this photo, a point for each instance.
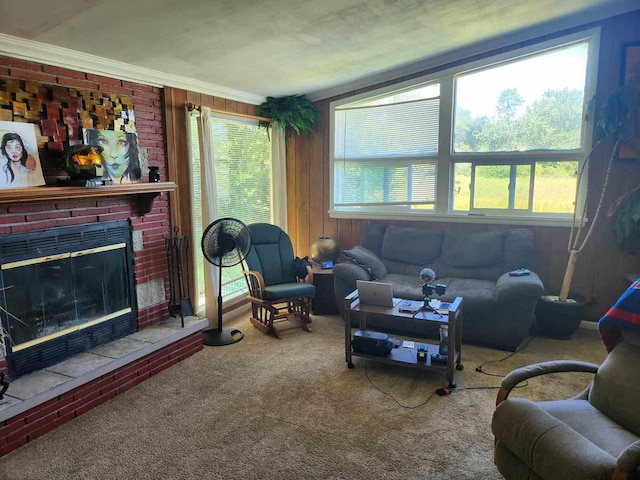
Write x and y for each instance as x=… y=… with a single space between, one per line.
x=438 y=289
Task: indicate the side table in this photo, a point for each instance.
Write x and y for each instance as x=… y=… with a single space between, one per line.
x=324 y=302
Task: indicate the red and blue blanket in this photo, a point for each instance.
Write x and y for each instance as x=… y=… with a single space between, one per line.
x=625 y=314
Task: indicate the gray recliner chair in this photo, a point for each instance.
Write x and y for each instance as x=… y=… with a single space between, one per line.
x=595 y=435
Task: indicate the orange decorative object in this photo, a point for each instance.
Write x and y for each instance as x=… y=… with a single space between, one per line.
x=92 y=157
x=83 y=162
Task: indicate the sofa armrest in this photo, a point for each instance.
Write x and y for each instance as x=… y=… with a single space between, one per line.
x=558 y=366
x=344 y=281
x=350 y=272
x=510 y=288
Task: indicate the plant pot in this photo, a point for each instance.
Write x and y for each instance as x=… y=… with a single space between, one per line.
x=559 y=320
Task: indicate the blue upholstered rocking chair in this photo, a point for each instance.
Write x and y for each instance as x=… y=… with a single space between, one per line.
x=276 y=294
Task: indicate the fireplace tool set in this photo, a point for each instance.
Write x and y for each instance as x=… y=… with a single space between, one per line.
x=177 y=248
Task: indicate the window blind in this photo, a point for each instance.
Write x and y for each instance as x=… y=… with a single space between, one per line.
x=242 y=154
x=386 y=154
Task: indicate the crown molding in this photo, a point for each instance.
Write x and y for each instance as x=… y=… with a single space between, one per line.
x=31 y=50
x=585 y=19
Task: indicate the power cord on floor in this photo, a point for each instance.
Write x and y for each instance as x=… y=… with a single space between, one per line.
x=410 y=407
x=479 y=368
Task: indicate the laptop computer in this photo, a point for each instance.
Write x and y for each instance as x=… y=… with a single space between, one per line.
x=376 y=293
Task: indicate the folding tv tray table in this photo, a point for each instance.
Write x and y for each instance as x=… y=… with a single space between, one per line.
x=405 y=355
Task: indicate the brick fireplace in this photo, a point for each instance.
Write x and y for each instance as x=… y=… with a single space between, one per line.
x=26 y=82
x=69 y=100
x=68 y=289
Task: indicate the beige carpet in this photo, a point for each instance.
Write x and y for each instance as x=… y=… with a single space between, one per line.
x=291 y=409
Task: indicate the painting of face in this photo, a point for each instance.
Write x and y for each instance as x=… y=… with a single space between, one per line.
x=116 y=152
x=14 y=150
x=19 y=160
x=119 y=155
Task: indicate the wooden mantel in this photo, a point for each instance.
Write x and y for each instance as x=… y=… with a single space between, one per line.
x=145 y=192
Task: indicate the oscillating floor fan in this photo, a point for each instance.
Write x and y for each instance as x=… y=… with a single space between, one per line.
x=225 y=243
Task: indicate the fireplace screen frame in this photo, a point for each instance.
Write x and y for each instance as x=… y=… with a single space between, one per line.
x=59 y=244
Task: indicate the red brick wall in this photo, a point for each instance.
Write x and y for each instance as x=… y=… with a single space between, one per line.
x=33 y=423
x=150 y=262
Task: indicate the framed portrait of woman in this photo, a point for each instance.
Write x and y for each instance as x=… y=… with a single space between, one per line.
x=120 y=154
x=19 y=160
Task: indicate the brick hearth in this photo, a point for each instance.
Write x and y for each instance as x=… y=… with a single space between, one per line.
x=41 y=401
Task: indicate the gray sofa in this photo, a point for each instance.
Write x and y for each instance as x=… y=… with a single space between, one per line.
x=498 y=309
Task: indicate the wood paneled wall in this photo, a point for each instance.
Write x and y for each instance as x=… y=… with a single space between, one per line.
x=601 y=266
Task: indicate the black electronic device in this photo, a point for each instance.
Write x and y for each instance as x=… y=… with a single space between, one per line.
x=422 y=353
x=438 y=289
x=438 y=359
x=371 y=336
x=428 y=276
x=327 y=265
x=369 y=342
x=521 y=272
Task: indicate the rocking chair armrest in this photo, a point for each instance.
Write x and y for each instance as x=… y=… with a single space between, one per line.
x=255 y=283
x=309 y=278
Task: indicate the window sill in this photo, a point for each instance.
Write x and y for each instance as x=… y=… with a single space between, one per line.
x=455 y=218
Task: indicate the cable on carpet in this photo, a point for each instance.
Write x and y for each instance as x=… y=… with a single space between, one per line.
x=479 y=368
x=400 y=404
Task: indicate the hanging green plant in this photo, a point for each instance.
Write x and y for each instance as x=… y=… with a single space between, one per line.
x=295 y=111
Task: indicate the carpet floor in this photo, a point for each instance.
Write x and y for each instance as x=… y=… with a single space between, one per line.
x=291 y=409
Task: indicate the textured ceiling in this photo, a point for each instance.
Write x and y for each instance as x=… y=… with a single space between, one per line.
x=282 y=47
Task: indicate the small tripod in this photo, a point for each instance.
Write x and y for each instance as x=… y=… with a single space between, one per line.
x=425 y=307
x=427 y=291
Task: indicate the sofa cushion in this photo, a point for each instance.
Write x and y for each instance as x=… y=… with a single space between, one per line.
x=473 y=249
x=405 y=286
x=616 y=386
x=416 y=246
x=478 y=295
x=367 y=260
x=519 y=249
x=371 y=238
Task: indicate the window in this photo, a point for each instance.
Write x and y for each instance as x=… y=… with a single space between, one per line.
x=385 y=150
x=500 y=138
x=242 y=153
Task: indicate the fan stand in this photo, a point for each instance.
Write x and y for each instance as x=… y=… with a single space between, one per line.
x=217 y=337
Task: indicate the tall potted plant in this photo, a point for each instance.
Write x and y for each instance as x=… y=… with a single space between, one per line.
x=559 y=315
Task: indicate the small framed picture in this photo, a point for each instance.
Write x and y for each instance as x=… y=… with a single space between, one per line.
x=630 y=75
x=630 y=79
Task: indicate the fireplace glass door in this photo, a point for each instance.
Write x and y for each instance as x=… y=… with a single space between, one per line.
x=55 y=295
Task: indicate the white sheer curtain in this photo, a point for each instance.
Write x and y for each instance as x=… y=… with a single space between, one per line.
x=209 y=210
x=278 y=178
